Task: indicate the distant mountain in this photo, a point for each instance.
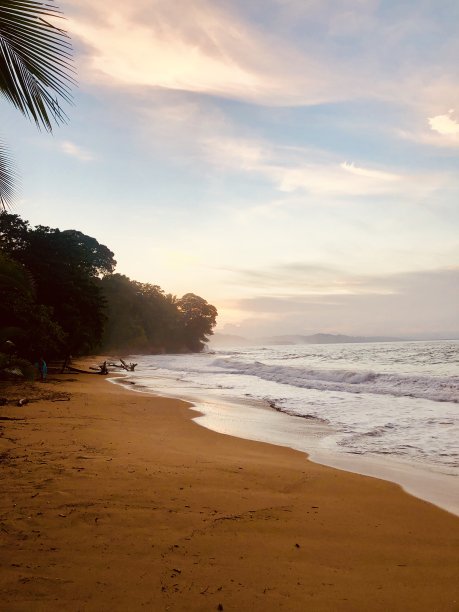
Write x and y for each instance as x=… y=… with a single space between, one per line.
x=325 y=339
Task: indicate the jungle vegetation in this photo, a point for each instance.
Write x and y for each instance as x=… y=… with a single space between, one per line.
x=61 y=296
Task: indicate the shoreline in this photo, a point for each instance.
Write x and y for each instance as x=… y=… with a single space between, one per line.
x=419 y=481
x=118 y=500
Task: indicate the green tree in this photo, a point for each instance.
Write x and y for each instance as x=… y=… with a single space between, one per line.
x=14 y=234
x=198 y=318
x=65 y=267
x=159 y=317
x=142 y=318
x=124 y=329
x=29 y=325
x=35 y=71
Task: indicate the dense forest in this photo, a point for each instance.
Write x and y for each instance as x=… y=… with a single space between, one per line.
x=61 y=296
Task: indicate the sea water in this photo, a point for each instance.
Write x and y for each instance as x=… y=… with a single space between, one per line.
x=348 y=405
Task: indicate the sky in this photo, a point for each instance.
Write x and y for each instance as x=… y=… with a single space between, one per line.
x=294 y=162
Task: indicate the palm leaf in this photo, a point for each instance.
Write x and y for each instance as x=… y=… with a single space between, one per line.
x=35 y=60
x=7 y=178
x=35 y=71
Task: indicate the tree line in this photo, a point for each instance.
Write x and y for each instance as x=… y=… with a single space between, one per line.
x=61 y=296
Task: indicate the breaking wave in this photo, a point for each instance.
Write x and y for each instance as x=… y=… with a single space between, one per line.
x=434 y=388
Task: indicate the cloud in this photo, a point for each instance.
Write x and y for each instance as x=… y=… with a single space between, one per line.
x=311 y=279
x=74 y=150
x=160 y=55
x=445 y=125
x=200 y=47
x=410 y=304
x=440 y=130
x=316 y=172
x=201 y=131
x=286 y=52
x=376 y=175
x=335 y=179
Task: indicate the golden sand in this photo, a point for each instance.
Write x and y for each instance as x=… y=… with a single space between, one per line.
x=114 y=500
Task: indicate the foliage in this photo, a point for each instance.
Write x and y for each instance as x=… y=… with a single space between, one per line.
x=198 y=318
x=123 y=327
x=7 y=177
x=144 y=319
x=35 y=70
x=28 y=325
x=61 y=296
x=13 y=234
x=64 y=269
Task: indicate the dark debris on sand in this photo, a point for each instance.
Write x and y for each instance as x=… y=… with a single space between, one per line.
x=20 y=394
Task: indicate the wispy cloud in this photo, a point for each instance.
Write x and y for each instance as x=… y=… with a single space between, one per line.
x=335 y=179
x=346 y=52
x=201 y=131
x=200 y=47
x=412 y=303
x=317 y=172
x=311 y=279
x=204 y=132
x=369 y=173
x=74 y=150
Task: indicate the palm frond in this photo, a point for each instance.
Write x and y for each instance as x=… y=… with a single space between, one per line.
x=7 y=178
x=35 y=60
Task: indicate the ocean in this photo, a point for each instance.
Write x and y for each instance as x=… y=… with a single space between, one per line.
x=385 y=409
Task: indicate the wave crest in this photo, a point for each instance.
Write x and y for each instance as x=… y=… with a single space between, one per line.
x=435 y=388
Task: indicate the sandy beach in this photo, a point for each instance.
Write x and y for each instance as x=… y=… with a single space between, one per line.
x=114 y=500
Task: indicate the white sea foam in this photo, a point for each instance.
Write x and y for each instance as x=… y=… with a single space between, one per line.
x=388 y=400
x=439 y=389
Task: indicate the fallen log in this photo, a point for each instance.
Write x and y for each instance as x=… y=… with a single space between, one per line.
x=103 y=368
x=128 y=367
x=78 y=371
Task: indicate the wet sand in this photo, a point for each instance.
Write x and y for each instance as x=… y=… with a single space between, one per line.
x=113 y=500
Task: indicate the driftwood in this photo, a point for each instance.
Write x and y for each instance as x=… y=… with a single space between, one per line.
x=103 y=367
x=78 y=371
x=128 y=367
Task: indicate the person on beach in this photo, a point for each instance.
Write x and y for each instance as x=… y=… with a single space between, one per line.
x=43 y=368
